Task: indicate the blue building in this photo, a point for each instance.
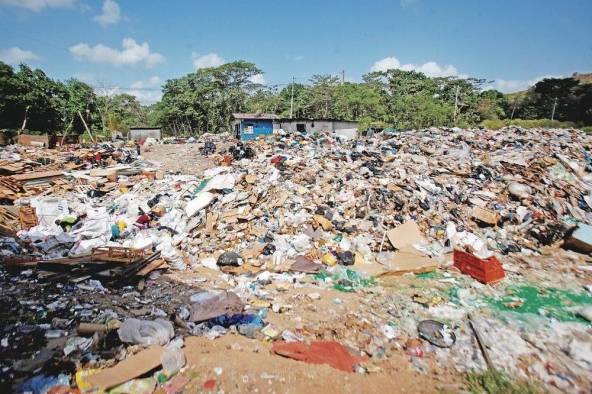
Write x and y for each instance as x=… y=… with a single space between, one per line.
x=249 y=126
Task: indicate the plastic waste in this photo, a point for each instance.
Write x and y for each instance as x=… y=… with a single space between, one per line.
x=436 y=333
x=345 y=279
x=41 y=384
x=465 y=239
x=301 y=243
x=345 y=258
x=146 y=332
x=49 y=209
x=77 y=344
x=220 y=182
x=146 y=385
x=202 y=200
x=210 y=262
x=229 y=259
x=172 y=360
x=519 y=190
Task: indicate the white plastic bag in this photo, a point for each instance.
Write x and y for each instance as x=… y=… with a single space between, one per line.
x=146 y=332
x=202 y=200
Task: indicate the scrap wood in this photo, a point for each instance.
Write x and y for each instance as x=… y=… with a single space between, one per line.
x=485 y=215
x=323 y=222
x=10 y=188
x=118 y=254
x=481 y=343
x=155 y=265
x=27 y=217
x=130 y=271
x=128 y=369
x=253 y=252
x=13 y=167
x=240 y=270
x=37 y=175
x=9 y=220
x=33 y=261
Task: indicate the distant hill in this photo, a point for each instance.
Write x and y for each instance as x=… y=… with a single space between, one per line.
x=582 y=78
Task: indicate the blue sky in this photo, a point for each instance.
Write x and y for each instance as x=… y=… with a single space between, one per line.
x=135 y=45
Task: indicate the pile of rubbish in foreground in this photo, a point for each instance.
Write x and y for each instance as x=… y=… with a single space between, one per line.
x=459 y=249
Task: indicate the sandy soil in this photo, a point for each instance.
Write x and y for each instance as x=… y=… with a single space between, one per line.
x=183 y=158
x=247 y=366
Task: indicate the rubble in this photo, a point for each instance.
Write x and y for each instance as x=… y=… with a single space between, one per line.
x=395 y=247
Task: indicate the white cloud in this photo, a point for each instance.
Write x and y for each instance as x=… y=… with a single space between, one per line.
x=431 y=69
x=132 y=54
x=516 y=85
x=38 y=5
x=111 y=14
x=16 y=55
x=388 y=63
x=258 y=79
x=205 y=61
x=148 y=91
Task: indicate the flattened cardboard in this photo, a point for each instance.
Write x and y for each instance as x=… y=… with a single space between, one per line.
x=402 y=262
x=406 y=234
x=128 y=369
x=485 y=215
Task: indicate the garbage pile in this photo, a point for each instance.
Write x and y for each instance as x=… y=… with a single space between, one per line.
x=464 y=249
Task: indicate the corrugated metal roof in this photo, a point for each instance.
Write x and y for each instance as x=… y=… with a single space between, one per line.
x=254 y=116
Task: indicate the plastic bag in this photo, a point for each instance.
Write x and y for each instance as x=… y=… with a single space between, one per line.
x=146 y=332
x=202 y=200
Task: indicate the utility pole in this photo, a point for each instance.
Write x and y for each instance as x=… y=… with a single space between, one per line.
x=342 y=77
x=554 y=105
x=292 y=100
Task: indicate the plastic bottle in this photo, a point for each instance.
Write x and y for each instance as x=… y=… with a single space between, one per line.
x=172 y=361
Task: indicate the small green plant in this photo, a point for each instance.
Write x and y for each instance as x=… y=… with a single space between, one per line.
x=495 y=382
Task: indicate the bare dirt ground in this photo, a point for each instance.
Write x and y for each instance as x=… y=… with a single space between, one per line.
x=182 y=158
x=247 y=365
x=240 y=364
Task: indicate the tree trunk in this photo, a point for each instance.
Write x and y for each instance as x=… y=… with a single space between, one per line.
x=86 y=127
x=25 y=119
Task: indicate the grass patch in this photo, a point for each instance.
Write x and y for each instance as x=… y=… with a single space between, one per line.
x=495 y=382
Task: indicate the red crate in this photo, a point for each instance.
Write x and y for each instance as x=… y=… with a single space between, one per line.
x=487 y=270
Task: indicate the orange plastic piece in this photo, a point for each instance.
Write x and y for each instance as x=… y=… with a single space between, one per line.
x=330 y=352
x=487 y=270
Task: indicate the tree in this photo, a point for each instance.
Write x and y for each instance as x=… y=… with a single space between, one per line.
x=354 y=101
x=492 y=105
x=37 y=101
x=80 y=107
x=321 y=95
x=301 y=94
x=120 y=112
x=10 y=93
x=264 y=100
x=204 y=101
